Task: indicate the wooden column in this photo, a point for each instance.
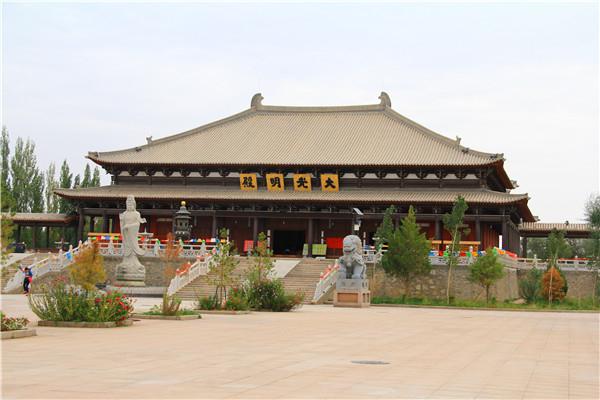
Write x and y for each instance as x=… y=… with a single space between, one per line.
x=92 y=223
x=214 y=226
x=438 y=228
x=80 y=229
x=47 y=237
x=62 y=237
x=104 y=222
x=255 y=232
x=34 y=236
x=505 y=233
x=19 y=234
x=310 y=240
x=478 y=230
x=524 y=253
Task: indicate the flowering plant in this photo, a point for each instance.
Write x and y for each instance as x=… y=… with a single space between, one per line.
x=64 y=302
x=13 y=324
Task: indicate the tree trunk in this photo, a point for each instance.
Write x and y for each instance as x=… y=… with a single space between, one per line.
x=407 y=287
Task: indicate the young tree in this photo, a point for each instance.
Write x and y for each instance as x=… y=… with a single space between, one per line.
x=222 y=267
x=453 y=223
x=556 y=247
x=77 y=181
x=262 y=259
x=170 y=304
x=552 y=286
x=592 y=217
x=408 y=252
x=486 y=271
x=87 y=270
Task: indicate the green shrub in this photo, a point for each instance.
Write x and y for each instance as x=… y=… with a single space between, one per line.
x=530 y=287
x=63 y=302
x=267 y=294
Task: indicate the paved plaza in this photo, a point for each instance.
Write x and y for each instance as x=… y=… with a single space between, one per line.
x=316 y=352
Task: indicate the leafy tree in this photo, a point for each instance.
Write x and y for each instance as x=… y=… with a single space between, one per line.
x=87 y=269
x=170 y=304
x=453 y=223
x=27 y=180
x=592 y=217
x=5 y=155
x=262 y=259
x=530 y=287
x=65 y=182
x=486 y=271
x=222 y=267
x=408 y=252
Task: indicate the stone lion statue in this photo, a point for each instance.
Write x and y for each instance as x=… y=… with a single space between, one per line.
x=352 y=265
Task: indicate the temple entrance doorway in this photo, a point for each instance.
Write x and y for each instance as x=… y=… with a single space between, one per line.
x=288 y=243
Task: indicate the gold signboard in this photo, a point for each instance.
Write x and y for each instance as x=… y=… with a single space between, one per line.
x=302 y=182
x=248 y=182
x=275 y=182
x=329 y=183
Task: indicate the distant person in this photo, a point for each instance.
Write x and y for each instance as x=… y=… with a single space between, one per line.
x=27 y=280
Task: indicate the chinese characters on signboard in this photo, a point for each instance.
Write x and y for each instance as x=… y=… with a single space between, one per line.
x=329 y=182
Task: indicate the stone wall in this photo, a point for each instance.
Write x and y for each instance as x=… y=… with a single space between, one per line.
x=155 y=269
x=434 y=285
x=581 y=283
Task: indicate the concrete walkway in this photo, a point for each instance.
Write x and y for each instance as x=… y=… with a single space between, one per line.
x=315 y=352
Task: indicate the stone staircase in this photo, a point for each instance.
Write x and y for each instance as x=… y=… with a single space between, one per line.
x=9 y=270
x=303 y=277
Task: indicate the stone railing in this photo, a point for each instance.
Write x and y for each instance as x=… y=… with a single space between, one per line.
x=576 y=264
x=53 y=262
x=326 y=281
x=184 y=277
x=111 y=249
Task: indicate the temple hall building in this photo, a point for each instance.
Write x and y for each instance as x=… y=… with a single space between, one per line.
x=306 y=175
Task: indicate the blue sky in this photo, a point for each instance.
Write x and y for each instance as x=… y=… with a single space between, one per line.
x=508 y=77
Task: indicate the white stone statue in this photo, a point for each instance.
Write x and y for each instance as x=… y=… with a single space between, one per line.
x=130 y=272
x=352 y=265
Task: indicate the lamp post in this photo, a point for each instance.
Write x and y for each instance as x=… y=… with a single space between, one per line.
x=182 y=223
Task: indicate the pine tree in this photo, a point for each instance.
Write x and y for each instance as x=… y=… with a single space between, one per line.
x=408 y=252
x=386 y=229
x=453 y=223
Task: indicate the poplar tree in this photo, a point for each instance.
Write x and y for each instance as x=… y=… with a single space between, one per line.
x=95 y=178
x=27 y=180
x=5 y=154
x=65 y=182
x=453 y=223
x=87 y=177
x=51 y=184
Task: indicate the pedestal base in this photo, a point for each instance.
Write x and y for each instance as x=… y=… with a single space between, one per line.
x=130 y=283
x=352 y=298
